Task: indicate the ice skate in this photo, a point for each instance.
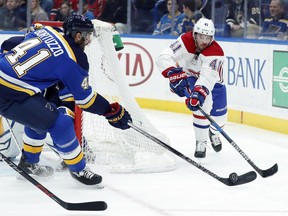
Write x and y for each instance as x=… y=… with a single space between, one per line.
x=35 y=169
x=61 y=167
x=215 y=141
x=87 y=177
x=200 y=151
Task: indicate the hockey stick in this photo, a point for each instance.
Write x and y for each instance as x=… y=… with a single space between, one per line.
x=86 y=206
x=233 y=179
x=264 y=173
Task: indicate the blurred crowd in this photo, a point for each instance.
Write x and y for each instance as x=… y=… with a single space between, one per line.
x=233 y=18
x=261 y=19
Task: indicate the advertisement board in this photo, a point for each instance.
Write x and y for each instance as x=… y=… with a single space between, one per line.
x=280 y=79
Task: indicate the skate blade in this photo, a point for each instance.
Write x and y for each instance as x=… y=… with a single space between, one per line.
x=99 y=186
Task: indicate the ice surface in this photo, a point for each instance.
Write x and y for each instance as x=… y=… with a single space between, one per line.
x=186 y=191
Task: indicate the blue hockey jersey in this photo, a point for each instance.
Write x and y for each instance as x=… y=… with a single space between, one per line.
x=10 y=43
x=44 y=58
x=164 y=26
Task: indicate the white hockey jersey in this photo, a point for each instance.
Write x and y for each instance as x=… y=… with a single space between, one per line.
x=207 y=66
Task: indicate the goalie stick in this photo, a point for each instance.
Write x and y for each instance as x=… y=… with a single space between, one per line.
x=233 y=179
x=264 y=173
x=86 y=206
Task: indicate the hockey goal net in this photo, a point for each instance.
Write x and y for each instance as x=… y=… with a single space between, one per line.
x=125 y=151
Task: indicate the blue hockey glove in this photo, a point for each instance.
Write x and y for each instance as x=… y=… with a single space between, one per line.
x=118 y=117
x=197 y=97
x=178 y=81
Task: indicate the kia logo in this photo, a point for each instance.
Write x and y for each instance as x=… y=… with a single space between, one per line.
x=137 y=62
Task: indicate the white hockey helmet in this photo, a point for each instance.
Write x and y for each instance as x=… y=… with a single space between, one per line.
x=204 y=26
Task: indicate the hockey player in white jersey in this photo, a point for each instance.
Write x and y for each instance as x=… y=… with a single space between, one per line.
x=193 y=64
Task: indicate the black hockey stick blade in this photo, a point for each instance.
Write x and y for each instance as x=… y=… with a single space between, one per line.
x=86 y=206
x=234 y=179
x=268 y=172
x=231 y=181
x=264 y=173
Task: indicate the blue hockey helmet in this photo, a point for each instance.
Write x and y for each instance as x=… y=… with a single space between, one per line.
x=77 y=23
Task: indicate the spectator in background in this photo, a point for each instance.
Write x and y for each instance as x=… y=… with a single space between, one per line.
x=37 y=13
x=2 y=3
x=275 y=26
x=115 y=12
x=86 y=11
x=192 y=15
x=159 y=10
x=64 y=11
x=96 y=7
x=235 y=18
x=265 y=9
x=144 y=14
x=47 y=5
x=8 y=16
x=164 y=26
x=73 y=4
x=21 y=12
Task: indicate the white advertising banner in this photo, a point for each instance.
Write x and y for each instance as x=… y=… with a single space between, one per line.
x=256 y=74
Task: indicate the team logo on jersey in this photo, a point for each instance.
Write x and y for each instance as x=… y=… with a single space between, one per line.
x=48 y=105
x=85 y=83
x=175 y=46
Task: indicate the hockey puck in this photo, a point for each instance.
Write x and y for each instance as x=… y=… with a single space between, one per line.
x=233 y=177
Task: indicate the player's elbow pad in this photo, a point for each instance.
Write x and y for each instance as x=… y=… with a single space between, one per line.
x=100 y=106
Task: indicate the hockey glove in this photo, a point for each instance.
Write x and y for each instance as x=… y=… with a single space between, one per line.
x=118 y=117
x=197 y=97
x=178 y=81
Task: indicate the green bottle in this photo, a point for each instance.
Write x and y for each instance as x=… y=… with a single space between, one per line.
x=118 y=44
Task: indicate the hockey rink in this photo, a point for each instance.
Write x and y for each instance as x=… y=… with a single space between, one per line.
x=186 y=191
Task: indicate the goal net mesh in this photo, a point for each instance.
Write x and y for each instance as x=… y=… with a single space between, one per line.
x=125 y=151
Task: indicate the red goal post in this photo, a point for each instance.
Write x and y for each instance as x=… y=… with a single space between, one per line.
x=58 y=24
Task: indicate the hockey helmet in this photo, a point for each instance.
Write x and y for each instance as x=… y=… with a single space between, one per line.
x=204 y=26
x=77 y=23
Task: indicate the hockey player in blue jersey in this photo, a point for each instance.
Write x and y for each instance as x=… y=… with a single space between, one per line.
x=43 y=59
x=32 y=143
x=10 y=146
